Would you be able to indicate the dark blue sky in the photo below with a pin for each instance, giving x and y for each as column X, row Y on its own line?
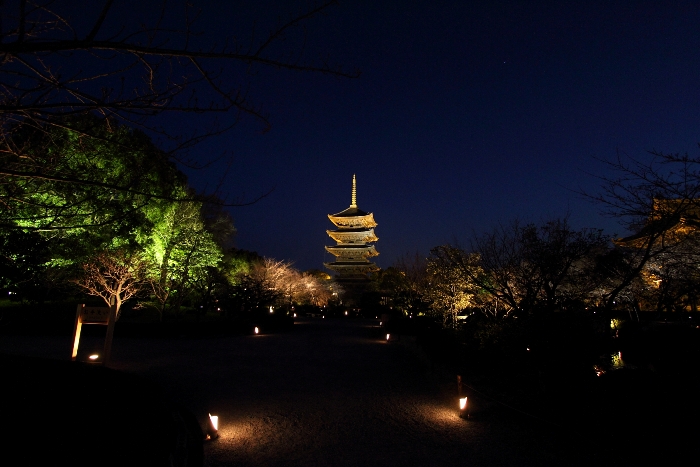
column 466, row 115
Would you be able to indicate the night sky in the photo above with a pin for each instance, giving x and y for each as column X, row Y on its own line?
column 466, row 115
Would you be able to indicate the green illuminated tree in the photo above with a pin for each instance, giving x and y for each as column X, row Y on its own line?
column 125, row 172
column 180, row 249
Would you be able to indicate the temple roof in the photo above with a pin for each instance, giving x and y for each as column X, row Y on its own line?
column 348, row 250
column 353, row 210
column 669, row 221
column 352, row 267
column 350, row 212
column 347, row 235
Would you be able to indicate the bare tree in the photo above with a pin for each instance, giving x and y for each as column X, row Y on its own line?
column 658, row 200
column 528, row 268
column 57, row 65
column 114, row 276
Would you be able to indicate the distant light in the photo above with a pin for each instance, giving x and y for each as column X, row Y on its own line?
column 346, row 313
column 271, row 310
column 214, row 421
column 380, row 323
column 294, row 315
column 256, row 330
column 388, row 336
column 528, row 349
column 324, row 316
column 94, row 357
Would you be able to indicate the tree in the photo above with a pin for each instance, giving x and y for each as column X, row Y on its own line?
column 530, row 268
column 26, row 272
column 538, row 268
column 180, row 249
column 58, row 64
column 409, row 295
column 658, row 200
column 449, row 289
column 314, row 290
column 124, row 170
column 114, row 276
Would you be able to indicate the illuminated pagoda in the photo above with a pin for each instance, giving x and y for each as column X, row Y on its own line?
column 353, row 239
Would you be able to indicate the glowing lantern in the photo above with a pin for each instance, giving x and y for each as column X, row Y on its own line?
column 256, row 330
column 387, row 337
column 463, row 407
column 213, row 428
column 94, row 357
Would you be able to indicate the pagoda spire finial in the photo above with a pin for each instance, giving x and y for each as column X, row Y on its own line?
column 354, row 192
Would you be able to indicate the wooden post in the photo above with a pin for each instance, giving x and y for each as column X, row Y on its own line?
column 105, row 316
column 110, row 334
column 76, row 330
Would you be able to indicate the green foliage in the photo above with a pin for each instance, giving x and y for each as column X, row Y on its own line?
column 86, row 175
column 105, row 187
column 180, row 249
column 25, row 268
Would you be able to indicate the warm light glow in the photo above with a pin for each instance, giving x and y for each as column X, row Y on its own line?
column 346, row 313
column 271, row 310
column 214, row 421
column 94, row 356
column 388, row 336
column 294, row 315
column 257, row 331
column 462, row 403
column 617, row 361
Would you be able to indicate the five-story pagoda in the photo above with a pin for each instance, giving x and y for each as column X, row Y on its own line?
column 354, row 236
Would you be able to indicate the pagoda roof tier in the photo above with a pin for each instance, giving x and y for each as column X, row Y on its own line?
column 352, row 268
column 353, row 217
column 352, row 250
column 353, row 235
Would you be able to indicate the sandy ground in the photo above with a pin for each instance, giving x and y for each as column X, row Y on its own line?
column 328, row 392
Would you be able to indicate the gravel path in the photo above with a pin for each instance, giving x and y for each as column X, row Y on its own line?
column 328, row 393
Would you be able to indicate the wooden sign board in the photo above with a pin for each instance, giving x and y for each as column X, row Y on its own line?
column 94, row 314
column 105, row 316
